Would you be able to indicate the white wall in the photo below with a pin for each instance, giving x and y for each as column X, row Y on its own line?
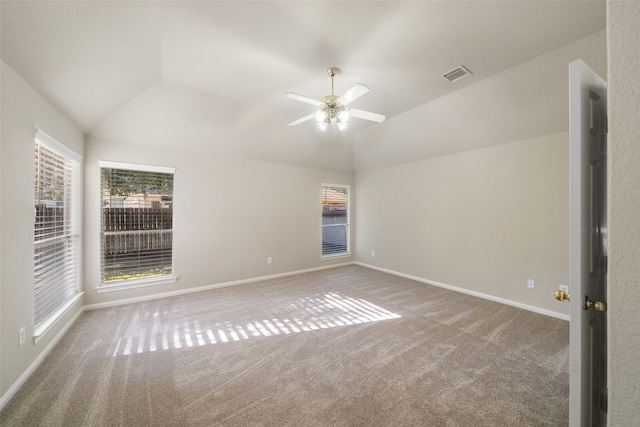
column 484, row 220
column 439, row 200
column 230, row 214
column 527, row 101
column 624, row 212
column 172, row 115
column 23, row 109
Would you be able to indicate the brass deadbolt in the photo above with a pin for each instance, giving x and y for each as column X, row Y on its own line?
column 600, row 306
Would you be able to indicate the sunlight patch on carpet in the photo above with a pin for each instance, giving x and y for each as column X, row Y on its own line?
column 311, row 313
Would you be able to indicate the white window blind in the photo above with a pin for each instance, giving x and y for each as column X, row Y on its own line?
column 56, row 226
column 335, row 220
column 137, row 223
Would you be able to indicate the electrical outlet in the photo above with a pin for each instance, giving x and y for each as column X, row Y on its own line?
column 531, row 283
column 564, row 288
column 373, row 253
column 269, row 260
column 21, row 336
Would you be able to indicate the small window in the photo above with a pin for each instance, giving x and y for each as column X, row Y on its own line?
column 57, row 219
column 335, row 220
column 137, row 225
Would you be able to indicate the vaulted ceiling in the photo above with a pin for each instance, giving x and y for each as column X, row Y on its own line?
column 211, row 76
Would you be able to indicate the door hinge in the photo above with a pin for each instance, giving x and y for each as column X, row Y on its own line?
column 604, row 402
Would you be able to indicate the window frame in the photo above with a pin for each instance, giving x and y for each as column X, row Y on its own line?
column 70, row 252
column 347, row 252
column 141, row 282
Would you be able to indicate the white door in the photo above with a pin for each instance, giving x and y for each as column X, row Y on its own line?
column 588, row 246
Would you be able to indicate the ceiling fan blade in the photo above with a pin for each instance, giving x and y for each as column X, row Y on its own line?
column 304, row 99
column 303, row 119
column 352, row 94
column 374, row 117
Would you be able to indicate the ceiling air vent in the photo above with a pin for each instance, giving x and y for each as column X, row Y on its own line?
column 457, row 74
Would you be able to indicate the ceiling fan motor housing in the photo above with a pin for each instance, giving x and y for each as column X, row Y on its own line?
column 331, row 105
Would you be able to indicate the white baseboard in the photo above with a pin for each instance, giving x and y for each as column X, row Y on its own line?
column 26, row 374
column 208, row 287
column 469, row 292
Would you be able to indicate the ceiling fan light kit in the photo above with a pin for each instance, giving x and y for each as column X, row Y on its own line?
column 333, row 108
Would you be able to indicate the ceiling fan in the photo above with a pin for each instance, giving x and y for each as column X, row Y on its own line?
column 333, row 108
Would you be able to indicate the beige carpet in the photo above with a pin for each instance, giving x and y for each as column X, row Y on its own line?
column 342, row 347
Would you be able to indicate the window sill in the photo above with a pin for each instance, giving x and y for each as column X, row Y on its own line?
column 133, row 284
column 336, row 256
column 43, row 327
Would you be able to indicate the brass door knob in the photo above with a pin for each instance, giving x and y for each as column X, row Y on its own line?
column 600, row 306
column 561, row 296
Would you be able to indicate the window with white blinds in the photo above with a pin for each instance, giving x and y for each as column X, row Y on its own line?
column 335, row 220
column 137, row 225
column 57, row 219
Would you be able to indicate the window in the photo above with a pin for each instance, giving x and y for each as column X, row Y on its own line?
column 57, row 213
column 137, row 225
column 335, row 220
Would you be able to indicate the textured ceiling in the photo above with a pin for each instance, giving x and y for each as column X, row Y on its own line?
column 232, row 61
